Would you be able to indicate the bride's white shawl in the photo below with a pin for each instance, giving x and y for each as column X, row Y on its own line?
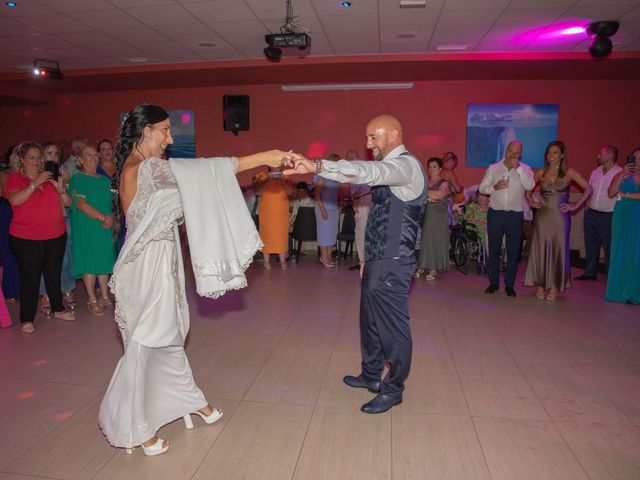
column 222, row 236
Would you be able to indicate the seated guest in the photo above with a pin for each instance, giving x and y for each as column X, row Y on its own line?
column 94, row 251
column 476, row 217
column 37, row 233
column 623, row 280
column 301, row 199
column 434, row 246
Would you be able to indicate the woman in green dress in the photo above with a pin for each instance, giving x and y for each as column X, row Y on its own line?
column 94, row 251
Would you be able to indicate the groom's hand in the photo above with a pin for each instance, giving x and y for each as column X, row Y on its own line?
column 300, row 165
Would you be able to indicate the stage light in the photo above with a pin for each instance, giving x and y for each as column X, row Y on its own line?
column 47, row 69
column 573, row 30
column 11, row 4
column 601, row 45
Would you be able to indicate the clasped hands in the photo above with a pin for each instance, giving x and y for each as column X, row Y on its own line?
column 295, row 163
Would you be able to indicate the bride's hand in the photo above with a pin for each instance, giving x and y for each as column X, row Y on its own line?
column 300, row 164
column 275, row 158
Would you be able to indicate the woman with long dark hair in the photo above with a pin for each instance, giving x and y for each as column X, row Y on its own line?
column 153, row 383
column 548, row 265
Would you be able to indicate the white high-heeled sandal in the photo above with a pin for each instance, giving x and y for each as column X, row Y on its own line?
column 215, row 415
column 152, row 450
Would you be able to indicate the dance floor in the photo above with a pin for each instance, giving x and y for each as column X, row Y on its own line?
column 500, row 388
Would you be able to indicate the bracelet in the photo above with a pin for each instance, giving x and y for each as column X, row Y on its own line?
column 62, row 191
column 102, row 218
column 32, row 186
column 318, row 166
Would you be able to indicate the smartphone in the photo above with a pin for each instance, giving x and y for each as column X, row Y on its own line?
column 276, row 174
column 631, row 159
column 54, row 168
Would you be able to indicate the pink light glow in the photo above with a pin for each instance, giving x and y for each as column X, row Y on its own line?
column 62, row 416
column 186, row 118
column 39, row 363
column 317, row 149
column 573, row 30
column 25, row 395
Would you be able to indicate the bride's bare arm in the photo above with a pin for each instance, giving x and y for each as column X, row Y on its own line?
column 270, row 158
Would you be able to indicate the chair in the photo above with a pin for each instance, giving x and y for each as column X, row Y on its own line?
column 304, row 229
column 347, row 231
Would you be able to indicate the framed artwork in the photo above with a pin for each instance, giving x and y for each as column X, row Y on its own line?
column 490, row 128
column 183, row 131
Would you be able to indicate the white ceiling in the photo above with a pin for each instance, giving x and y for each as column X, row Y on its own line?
column 103, row 33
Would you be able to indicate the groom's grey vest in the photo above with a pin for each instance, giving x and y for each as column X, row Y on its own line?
column 393, row 225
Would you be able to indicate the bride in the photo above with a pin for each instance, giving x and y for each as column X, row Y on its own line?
column 153, row 384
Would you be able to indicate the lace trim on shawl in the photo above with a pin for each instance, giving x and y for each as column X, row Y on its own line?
column 226, row 270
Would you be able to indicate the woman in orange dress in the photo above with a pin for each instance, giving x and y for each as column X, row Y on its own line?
column 273, row 212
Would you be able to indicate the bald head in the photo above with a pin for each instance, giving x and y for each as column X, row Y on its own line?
column 512, row 154
column 384, row 133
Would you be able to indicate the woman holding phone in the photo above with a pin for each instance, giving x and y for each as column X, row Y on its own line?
column 37, row 233
column 623, row 280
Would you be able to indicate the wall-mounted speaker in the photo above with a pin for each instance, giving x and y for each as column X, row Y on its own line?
column 235, row 111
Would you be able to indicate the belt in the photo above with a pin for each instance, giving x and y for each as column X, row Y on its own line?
column 599, row 212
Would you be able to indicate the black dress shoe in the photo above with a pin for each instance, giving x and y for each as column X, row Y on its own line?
column 381, row 403
column 493, row 288
column 359, row 382
column 510, row 291
column 584, row 276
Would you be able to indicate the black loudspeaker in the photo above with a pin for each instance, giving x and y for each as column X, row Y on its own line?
column 235, row 113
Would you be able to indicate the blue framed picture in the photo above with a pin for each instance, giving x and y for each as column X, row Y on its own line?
column 490, row 128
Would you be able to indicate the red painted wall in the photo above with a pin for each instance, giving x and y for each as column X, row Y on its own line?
column 433, row 114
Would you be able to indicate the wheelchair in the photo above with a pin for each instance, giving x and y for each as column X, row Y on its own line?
column 467, row 246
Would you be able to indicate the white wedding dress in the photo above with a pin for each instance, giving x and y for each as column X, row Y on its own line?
column 153, row 383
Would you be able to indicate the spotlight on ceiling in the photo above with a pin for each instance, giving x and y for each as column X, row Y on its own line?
column 601, row 45
column 272, row 53
column 47, row 69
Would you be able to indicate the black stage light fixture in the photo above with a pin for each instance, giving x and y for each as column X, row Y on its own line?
column 601, row 45
column 47, row 69
column 272, row 53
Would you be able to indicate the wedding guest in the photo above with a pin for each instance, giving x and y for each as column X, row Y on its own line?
column 506, row 182
column 70, row 166
column 361, row 195
column 623, row 279
column 434, row 245
column 273, row 212
column 10, row 272
column 107, row 163
column 549, row 263
column 327, row 215
column 94, row 250
column 37, row 232
column 597, row 217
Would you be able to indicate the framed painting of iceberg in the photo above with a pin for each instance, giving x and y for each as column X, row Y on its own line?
column 490, row 128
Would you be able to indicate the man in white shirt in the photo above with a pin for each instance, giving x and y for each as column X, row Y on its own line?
column 597, row 217
column 398, row 196
column 506, row 182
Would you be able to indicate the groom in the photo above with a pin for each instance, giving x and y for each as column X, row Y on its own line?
column 398, row 197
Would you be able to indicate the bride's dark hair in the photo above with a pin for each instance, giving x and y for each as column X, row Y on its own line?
column 128, row 140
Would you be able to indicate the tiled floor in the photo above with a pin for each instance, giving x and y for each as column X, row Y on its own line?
column 500, row 388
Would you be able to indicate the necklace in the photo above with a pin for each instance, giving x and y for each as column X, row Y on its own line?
column 557, row 167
